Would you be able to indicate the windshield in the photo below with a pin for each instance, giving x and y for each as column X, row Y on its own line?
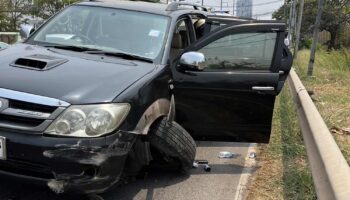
column 105, row 29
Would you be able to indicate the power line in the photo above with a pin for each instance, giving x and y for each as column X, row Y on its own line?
column 261, row 4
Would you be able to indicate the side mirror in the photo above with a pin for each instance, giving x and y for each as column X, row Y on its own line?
column 192, row 61
column 26, row 30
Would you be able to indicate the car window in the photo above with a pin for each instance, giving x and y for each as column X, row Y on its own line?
column 201, row 28
column 182, row 29
column 245, row 51
column 107, row 29
column 180, row 40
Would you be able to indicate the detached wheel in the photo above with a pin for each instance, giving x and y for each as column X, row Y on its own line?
column 173, row 143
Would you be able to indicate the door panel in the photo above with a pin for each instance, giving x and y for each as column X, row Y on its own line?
column 223, row 107
column 232, row 99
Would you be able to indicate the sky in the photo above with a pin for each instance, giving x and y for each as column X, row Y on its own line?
column 258, row 9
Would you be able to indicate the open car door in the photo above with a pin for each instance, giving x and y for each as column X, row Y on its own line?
column 232, row 97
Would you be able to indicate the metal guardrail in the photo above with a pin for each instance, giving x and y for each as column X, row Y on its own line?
column 330, row 171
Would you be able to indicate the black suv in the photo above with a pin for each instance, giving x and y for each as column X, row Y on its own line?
column 92, row 96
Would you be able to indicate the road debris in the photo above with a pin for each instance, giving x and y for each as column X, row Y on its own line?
column 226, row 154
column 340, row 131
column 252, row 155
column 205, row 164
column 207, row 168
column 195, row 164
column 202, row 162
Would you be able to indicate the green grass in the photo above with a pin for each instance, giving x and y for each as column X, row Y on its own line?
column 284, row 172
column 283, row 167
column 297, row 178
column 331, row 85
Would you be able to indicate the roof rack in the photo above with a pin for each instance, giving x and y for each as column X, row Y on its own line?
column 175, row 6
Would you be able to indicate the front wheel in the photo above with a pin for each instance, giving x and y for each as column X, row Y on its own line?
column 173, row 143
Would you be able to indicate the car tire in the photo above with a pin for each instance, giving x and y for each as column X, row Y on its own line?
column 173, row 141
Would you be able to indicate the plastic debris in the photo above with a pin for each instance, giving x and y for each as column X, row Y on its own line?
column 207, row 168
column 252, row 155
column 195, row 164
column 226, row 154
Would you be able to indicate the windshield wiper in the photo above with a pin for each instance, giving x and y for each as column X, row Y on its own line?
column 120, row 54
column 71, row 47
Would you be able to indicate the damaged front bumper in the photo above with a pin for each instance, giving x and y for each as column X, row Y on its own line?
column 67, row 164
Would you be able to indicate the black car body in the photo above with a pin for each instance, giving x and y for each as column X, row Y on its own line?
column 221, row 99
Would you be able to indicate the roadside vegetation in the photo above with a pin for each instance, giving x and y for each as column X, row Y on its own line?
column 283, row 168
column 330, row 86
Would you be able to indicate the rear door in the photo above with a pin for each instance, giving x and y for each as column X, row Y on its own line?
column 233, row 98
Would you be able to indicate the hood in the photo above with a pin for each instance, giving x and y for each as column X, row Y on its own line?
column 81, row 79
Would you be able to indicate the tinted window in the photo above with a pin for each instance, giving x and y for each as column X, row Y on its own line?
column 246, row 51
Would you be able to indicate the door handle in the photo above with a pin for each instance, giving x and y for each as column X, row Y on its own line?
column 261, row 88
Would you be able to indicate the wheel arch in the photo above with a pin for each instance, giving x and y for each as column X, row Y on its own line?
column 158, row 109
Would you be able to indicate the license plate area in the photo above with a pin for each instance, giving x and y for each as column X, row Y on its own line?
column 3, row 155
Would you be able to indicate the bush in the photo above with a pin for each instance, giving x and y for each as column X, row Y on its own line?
column 307, row 43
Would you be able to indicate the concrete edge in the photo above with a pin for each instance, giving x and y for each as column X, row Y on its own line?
column 246, row 174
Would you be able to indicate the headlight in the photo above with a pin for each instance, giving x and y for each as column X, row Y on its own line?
column 89, row 120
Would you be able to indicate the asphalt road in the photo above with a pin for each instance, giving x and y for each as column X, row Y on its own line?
column 219, row 184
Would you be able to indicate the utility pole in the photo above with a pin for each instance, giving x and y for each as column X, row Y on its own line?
column 295, row 19
column 285, row 10
column 292, row 30
column 221, row 5
column 290, row 22
column 297, row 36
column 233, row 7
column 310, row 68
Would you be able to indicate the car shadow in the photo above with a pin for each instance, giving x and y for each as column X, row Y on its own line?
column 148, row 185
column 152, row 180
column 221, row 144
column 160, row 179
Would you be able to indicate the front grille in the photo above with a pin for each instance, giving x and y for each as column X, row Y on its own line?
column 19, row 121
column 26, row 169
column 27, row 112
column 31, row 106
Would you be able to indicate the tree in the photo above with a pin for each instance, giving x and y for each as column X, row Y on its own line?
column 12, row 12
column 283, row 12
column 336, row 15
column 2, row 16
column 46, row 8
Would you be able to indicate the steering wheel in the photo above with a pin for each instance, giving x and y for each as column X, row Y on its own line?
column 85, row 39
